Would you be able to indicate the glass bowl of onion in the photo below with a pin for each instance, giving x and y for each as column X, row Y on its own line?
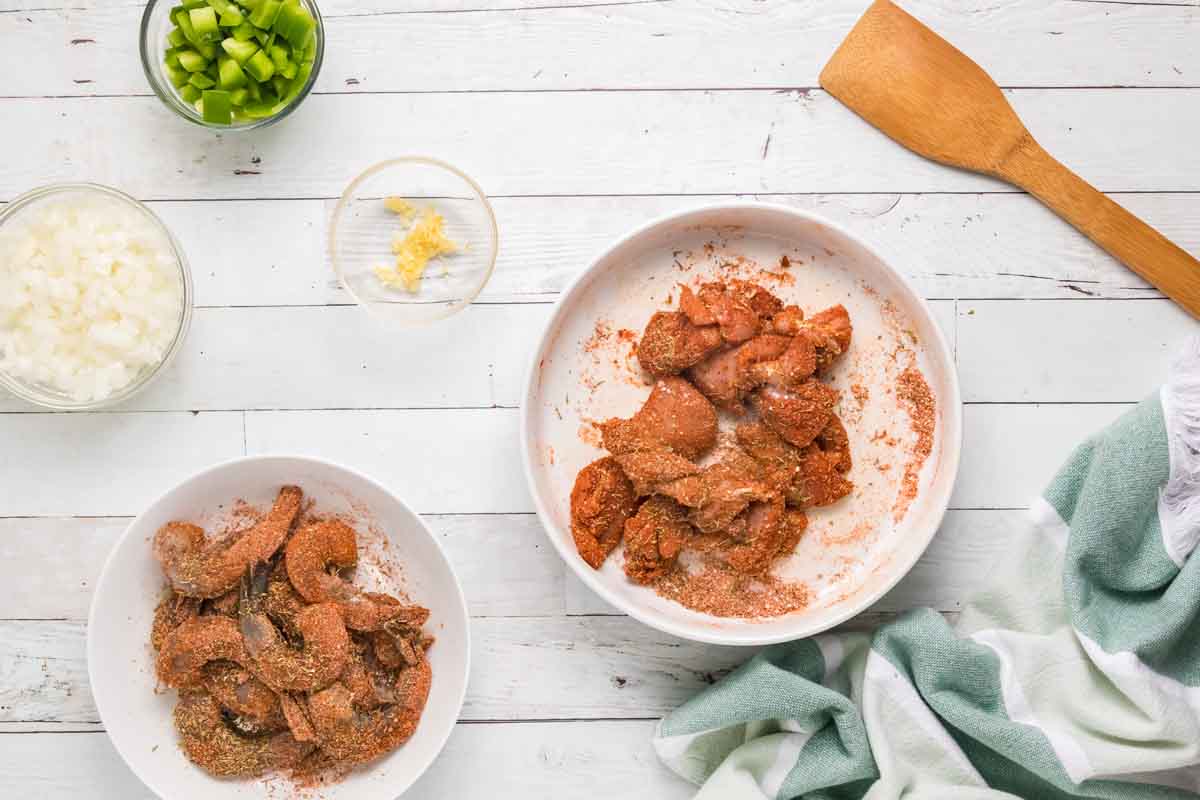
column 95, row 297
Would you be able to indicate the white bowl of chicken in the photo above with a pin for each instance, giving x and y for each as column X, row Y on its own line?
column 274, row 625
column 741, row 425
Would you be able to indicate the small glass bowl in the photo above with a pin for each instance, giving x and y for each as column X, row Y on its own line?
column 152, row 42
column 362, row 229
column 48, row 396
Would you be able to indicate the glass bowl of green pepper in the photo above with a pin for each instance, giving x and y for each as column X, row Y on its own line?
column 232, row 64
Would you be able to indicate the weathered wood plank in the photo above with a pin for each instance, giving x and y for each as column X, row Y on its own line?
column 1063, row 351
column 973, row 246
column 553, row 759
column 1010, row 452
column 107, row 463
column 508, row 45
column 581, row 143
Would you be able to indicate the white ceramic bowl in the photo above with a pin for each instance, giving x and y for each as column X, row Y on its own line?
column 121, row 661
column 854, row 551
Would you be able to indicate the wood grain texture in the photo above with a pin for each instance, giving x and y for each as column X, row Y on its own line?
column 505, row 44
column 587, row 143
column 551, row 759
column 676, row 123
column 977, row 246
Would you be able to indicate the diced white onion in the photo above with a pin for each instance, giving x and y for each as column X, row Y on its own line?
column 90, row 295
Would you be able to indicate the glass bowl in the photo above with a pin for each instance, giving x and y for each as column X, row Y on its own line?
column 362, row 229
column 50, row 397
column 152, row 42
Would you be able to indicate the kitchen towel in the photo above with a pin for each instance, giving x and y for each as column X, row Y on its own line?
column 1075, row 674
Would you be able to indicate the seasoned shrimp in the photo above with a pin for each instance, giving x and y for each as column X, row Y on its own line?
column 209, row 741
column 173, row 611
column 331, row 543
column 198, row 568
column 197, row 642
column 287, row 669
column 244, row 696
column 355, row 737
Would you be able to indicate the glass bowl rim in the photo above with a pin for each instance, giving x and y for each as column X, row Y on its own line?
column 346, row 197
column 30, row 393
column 166, row 93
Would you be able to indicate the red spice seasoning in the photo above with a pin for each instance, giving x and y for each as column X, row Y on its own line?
column 914, row 395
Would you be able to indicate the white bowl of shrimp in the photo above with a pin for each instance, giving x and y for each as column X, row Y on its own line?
column 238, row 696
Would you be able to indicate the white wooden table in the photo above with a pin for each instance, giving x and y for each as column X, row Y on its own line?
column 581, row 118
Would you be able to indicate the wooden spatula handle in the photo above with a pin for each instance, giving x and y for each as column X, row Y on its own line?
column 1139, row 246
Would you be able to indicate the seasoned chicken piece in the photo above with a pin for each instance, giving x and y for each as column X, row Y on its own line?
column 726, row 377
column 788, row 321
column 829, row 331
column 720, row 491
column 795, row 522
column 757, row 535
column 811, row 476
column 820, row 482
column 738, row 307
column 797, row 415
column 794, row 367
column 835, row 441
column 675, row 417
column 647, row 469
column 778, row 460
column 671, row 344
column 653, row 539
column 697, row 313
column 601, row 501
column 836, row 322
column 716, row 377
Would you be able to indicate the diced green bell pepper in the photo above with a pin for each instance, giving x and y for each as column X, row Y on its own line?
column 264, row 16
column 259, row 110
column 192, row 61
column 239, row 97
column 171, row 58
column 207, row 49
column 201, row 81
column 204, row 23
column 178, row 76
column 295, row 24
column 176, row 38
column 220, row 6
column 230, row 75
column 281, row 85
column 239, row 51
column 231, row 18
column 189, row 93
column 190, row 4
column 279, row 57
column 260, row 66
column 217, row 107
column 289, row 70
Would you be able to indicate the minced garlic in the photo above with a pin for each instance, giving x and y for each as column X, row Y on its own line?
column 424, row 240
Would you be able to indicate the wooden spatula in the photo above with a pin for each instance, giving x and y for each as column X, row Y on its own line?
column 921, row 91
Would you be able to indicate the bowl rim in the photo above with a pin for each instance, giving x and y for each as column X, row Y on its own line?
column 862, row 600
column 27, row 392
column 460, row 609
column 345, row 198
column 152, row 69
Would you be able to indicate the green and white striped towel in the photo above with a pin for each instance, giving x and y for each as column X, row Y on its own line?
column 1077, row 674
